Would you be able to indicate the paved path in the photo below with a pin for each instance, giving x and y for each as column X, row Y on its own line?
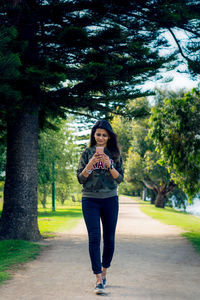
column 152, row 262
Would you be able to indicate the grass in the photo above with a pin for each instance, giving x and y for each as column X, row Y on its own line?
column 17, row 252
column 13, row 253
column 64, row 218
column 170, row 216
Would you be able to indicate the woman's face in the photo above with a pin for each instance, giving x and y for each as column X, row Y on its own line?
column 101, row 137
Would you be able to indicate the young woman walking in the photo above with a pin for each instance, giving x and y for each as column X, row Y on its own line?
column 100, row 170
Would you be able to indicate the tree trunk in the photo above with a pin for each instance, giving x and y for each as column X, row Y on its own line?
column 44, row 199
column 19, row 216
column 144, row 194
column 153, row 196
column 160, row 200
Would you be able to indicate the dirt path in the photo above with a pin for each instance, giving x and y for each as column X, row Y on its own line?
column 152, row 261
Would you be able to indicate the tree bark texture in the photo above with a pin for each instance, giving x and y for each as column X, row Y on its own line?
column 19, row 216
column 153, row 196
column 161, row 190
column 160, row 200
column 144, row 194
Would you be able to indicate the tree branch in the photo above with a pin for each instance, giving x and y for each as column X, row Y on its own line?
column 178, row 45
column 80, row 114
column 137, row 16
column 171, row 187
column 190, row 30
column 163, row 186
column 151, row 185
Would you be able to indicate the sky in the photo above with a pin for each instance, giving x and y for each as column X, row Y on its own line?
column 179, row 81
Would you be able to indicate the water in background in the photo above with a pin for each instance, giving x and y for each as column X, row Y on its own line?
column 193, row 209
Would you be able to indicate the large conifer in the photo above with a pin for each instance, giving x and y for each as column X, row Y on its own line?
column 84, row 54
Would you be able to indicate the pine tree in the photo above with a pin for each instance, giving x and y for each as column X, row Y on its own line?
column 68, row 56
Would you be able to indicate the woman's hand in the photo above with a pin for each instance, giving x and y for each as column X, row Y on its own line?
column 95, row 159
column 106, row 160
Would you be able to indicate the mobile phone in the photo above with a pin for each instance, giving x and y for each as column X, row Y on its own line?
column 100, row 150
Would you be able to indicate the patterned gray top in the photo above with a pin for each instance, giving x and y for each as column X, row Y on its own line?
column 100, row 183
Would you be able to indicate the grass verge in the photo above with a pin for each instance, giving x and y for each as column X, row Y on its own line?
column 17, row 252
column 13, row 253
column 180, row 219
column 64, row 218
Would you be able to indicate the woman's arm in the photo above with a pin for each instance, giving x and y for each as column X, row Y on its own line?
column 117, row 173
column 114, row 173
column 85, row 167
column 119, row 168
column 88, row 168
column 82, row 164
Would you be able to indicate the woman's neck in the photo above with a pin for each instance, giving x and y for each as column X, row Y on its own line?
column 97, row 145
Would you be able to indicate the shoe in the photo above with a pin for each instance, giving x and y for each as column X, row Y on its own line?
column 104, row 282
column 99, row 289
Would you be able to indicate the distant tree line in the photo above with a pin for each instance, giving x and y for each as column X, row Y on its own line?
column 162, row 150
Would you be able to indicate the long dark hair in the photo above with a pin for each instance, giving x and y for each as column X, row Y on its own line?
column 112, row 143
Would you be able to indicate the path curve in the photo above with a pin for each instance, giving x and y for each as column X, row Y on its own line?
column 151, row 262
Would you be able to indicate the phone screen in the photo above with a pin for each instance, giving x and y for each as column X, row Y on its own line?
column 99, row 150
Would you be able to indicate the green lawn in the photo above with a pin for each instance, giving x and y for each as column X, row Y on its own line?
column 64, row 218
column 171, row 216
column 16, row 252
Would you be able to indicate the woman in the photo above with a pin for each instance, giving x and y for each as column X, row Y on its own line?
column 100, row 170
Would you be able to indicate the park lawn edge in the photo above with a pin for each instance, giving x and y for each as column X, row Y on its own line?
column 62, row 219
column 192, row 226
column 16, row 253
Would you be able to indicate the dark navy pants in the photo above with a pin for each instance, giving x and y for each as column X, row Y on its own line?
column 106, row 210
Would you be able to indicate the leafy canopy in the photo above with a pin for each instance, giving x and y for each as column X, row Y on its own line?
column 91, row 55
column 175, row 128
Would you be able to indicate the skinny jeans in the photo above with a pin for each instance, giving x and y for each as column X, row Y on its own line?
column 106, row 211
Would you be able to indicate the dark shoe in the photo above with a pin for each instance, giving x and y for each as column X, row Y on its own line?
column 99, row 289
column 104, row 282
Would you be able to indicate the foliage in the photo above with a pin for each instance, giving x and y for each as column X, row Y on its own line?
column 177, row 199
column 101, row 50
column 9, row 67
column 58, row 147
column 175, row 128
column 142, row 163
column 2, row 161
column 9, row 72
column 142, row 168
column 130, row 188
column 122, row 128
column 138, row 109
column 58, row 42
